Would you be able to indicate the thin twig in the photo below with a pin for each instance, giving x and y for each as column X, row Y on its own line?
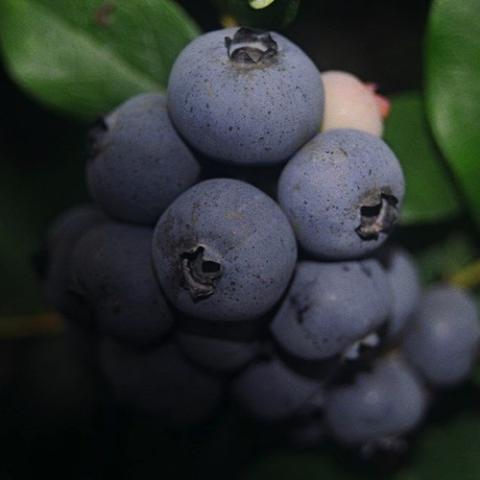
column 30, row 325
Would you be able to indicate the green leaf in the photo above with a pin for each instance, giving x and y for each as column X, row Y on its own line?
column 261, row 13
column 430, row 195
column 453, row 89
column 84, row 58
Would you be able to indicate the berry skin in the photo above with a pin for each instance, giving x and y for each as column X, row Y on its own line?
column 332, row 309
column 342, row 192
column 349, row 103
column 113, row 272
column 62, row 236
column 224, row 251
column 139, row 164
column 160, row 382
column 222, row 355
column 405, row 286
column 443, row 338
column 379, row 405
column 246, row 97
column 270, row 391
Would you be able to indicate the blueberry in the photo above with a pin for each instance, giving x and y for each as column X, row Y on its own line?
column 443, row 339
column 112, row 271
column 342, row 192
column 245, row 96
column 380, row 405
column 405, row 285
column 160, row 382
column 270, row 391
column 138, row 162
column 333, row 308
column 224, row 251
column 217, row 353
column 55, row 259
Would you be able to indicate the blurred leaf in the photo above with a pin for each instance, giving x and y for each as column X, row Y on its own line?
column 268, row 15
column 448, row 451
column 430, row 194
column 30, row 196
column 476, row 372
column 446, row 257
column 468, row 277
column 453, row 89
column 19, row 290
column 299, row 466
column 442, row 452
column 84, row 58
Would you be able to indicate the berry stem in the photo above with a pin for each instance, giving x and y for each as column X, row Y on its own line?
column 228, row 21
column 200, row 275
column 468, row 277
column 30, row 325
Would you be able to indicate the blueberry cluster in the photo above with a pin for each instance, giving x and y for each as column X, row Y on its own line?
column 204, row 289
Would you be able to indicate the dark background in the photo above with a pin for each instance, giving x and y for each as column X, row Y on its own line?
column 55, row 417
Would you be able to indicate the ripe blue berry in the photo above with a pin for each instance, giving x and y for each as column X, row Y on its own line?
column 332, row 308
column 139, row 164
column 270, row 391
column 224, row 251
column 112, row 271
column 443, row 338
column 342, row 192
column 160, row 382
column 382, row 404
column 245, row 96
column 217, row 354
column 61, row 239
column 405, row 286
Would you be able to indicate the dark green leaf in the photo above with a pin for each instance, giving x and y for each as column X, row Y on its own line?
column 30, row 196
column 430, row 195
column 453, row 89
column 442, row 452
column 446, row 257
column 447, row 451
column 19, row 292
column 299, row 466
column 476, row 372
column 84, row 58
column 276, row 15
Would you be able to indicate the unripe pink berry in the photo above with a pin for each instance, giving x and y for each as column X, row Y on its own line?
column 349, row 103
